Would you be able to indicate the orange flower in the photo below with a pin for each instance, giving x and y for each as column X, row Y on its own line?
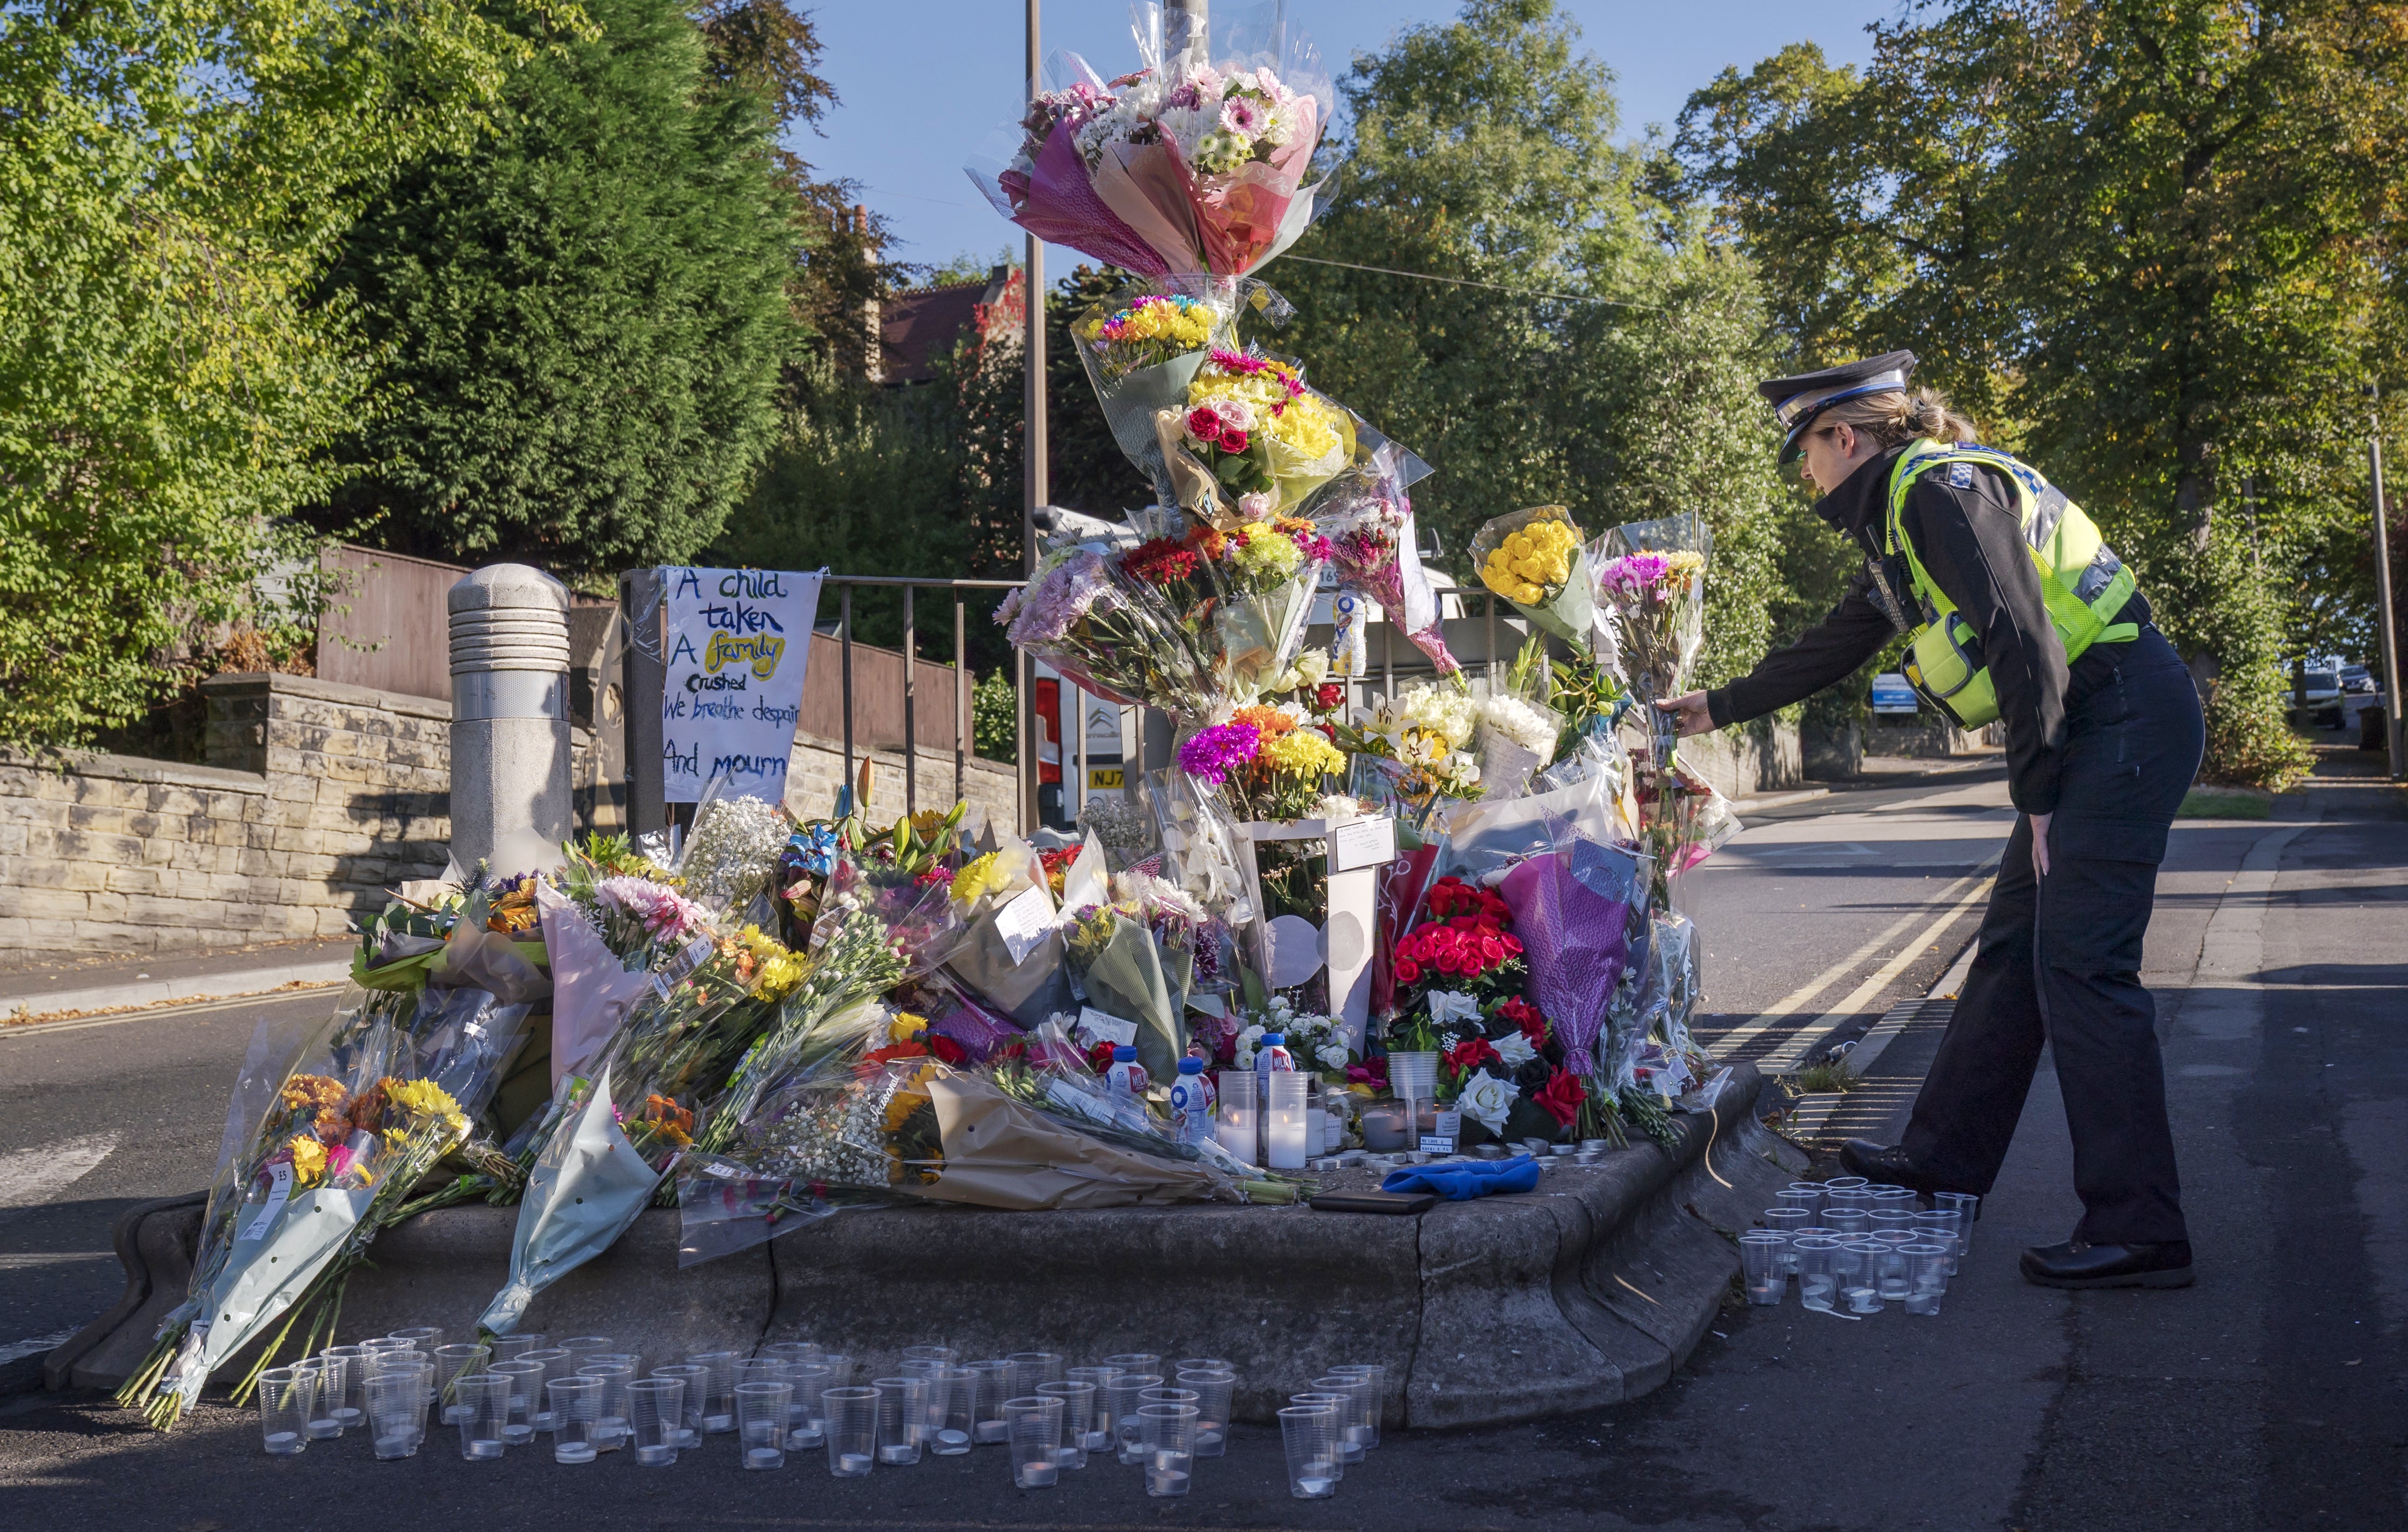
column 1270, row 723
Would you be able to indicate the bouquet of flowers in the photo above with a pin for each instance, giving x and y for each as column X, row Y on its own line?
column 1317, row 1042
column 1240, row 596
column 1518, row 729
column 1576, row 906
column 1409, row 752
column 358, row 1111
column 1143, row 349
column 728, row 863
column 1184, row 165
column 1267, row 762
column 1534, row 559
column 601, row 1148
column 1368, row 519
column 1103, row 631
column 1011, row 953
column 1656, row 592
column 1251, row 439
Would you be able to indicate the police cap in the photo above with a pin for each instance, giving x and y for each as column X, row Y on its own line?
column 1796, row 401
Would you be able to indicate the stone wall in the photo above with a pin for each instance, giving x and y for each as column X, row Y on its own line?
column 316, row 798
column 816, row 769
column 1762, row 756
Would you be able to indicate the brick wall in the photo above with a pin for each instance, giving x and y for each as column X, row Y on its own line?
column 318, row 797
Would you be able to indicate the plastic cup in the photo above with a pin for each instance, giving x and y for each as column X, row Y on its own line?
column 381, row 1344
column 1213, row 1386
column 1077, row 1412
column 1891, row 1270
column 632, row 1361
column 286, row 1398
column 1200, row 1364
column 1817, row 1284
column 756, row 1369
column 610, row 1419
column 1844, row 1184
column 695, row 1381
column 423, row 1338
column 1788, row 1223
column 1097, row 1426
column 482, row 1402
column 396, row 1408
column 1968, row 1209
column 452, row 1362
column 1927, row 1278
column 511, row 1348
column 1342, row 1406
column 761, row 1408
column 796, row 1351
column 325, row 1395
column 805, row 1416
column 1355, row 1424
column 1121, row 1397
column 952, row 1390
column 718, row 1390
column 526, row 1394
column 554, row 1362
column 1033, row 1429
column 342, row 1385
column 942, row 1355
column 1858, row 1265
column 1761, row 1252
column 990, row 1385
column 902, row 1419
column 1135, row 1362
column 851, row 1432
column 1891, row 1220
column 1804, row 1196
column 1375, row 1398
column 574, row 1405
column 1310, row 1433
column 1848, row 1220
column 1168, row 1433
column 1030, row 1369
column 656, row 1420
column 839, row 1366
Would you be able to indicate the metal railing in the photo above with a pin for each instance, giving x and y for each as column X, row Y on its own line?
column 964, row 722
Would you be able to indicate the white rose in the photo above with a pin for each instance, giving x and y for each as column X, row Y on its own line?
column 1254, row 507
column 1515, row 1050
column 1235, row 413
column 1486, row 1099
column 1446, row 1006
column 1333, row 1055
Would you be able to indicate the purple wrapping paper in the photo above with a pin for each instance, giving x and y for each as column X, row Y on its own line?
column 1577, row 943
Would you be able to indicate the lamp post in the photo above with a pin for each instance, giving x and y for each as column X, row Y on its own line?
column 2395, row 728
column 1036, row 487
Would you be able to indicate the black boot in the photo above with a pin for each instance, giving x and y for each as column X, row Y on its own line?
column 1889, row 1165
column 2074, row 1264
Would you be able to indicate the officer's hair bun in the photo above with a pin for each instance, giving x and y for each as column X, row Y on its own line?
column 1895, row 418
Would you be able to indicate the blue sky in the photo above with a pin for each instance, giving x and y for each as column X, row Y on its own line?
column 924, row 83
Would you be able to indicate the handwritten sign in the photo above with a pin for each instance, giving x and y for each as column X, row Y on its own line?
column 736, row 643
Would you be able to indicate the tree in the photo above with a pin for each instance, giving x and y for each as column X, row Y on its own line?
column 586, row 315
column 2155, row 245
column 1584, row 343
column 172, row 175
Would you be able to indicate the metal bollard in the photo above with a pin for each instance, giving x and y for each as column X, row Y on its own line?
column 512, row 801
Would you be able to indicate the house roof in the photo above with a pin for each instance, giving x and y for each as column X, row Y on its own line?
column 918, row 326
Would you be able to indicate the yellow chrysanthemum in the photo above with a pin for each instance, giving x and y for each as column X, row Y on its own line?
column 1302, row 753
column 309, row 1159
column 977, row 879
column 423, row 1098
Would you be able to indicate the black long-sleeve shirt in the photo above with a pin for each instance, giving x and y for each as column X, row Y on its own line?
column 1967, row 531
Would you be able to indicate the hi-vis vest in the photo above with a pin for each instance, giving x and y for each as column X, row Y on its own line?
column 2081, row 578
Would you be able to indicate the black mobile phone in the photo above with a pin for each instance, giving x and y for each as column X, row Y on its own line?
column 1375, row 1202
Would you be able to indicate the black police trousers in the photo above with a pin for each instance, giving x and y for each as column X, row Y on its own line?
column 2058, row 958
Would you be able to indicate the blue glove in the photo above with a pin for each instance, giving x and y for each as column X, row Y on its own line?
column 1461, row 1183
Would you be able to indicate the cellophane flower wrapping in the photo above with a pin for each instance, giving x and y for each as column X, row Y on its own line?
column 1240, row 597
column 1368, row 517
column 362, row 1107
column 1412, row 755
column 1192, row 163
column 1534, row 559
column 728, row 862
column 1651, row 578
column 1029, row 986
column 1573, row 908
column 1107, row 633
column 603, row 1145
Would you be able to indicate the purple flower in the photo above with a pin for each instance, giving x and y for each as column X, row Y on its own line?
column 663, row 911
column 1634, row 572
column 1043, row 612
column 1211, row 754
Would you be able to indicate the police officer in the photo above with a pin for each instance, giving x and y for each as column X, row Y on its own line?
column 2016, row 611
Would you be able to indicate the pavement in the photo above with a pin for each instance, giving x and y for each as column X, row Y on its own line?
column 2275, row 1393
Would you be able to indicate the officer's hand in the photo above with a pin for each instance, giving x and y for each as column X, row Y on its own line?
column 2040, row 844
column 1690, row 709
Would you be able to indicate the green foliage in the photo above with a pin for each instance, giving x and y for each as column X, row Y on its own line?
column 585, row 315
column 2151, row 245
column 995, row 717
column 1484, row 149
column 171, row 175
